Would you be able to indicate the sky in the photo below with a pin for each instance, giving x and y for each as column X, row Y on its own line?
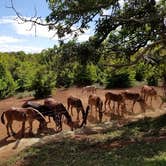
column 18, row 37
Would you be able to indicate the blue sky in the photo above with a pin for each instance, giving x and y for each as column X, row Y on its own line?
column 19, row 37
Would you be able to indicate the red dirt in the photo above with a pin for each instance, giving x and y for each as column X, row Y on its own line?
column 61, row 95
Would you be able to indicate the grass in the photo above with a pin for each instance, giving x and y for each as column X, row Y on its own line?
column 98, row 149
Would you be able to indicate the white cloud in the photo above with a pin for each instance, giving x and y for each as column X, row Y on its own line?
column 9, row 39
column 27, row 29
column 15, row 48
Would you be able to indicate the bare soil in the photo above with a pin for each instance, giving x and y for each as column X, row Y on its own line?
column 61, row 95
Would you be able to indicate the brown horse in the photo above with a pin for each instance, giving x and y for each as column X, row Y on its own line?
column 23, row 115
column 148, row 92
column 115, row 98
column 96, row 101
column 76, row 103
column 58, row 110
column 135, row 97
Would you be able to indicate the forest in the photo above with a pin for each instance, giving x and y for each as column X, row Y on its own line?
column 74, row 64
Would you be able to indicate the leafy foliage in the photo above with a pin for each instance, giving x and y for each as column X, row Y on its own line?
column 7, row 84
column 119, row 80
column 44, row 83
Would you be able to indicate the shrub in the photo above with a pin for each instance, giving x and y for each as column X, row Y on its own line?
column 44, row 84
column 65, row 78
column 119, row 80
column 152, row 80
column 7, row 84
column 82, row 76
column 140, row 72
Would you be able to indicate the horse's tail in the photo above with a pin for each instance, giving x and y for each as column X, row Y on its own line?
column 37, row 112
column 2, row 118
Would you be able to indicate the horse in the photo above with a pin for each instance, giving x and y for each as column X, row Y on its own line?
column 23, row 115
column 89, row 89
column 77, row 103
column 41, row 108
column 110, row 96
column 135, row 97
column 148, row 91
column 58, row 109
column 96, row 101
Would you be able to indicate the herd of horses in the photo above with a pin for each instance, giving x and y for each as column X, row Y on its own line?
column 51, row 108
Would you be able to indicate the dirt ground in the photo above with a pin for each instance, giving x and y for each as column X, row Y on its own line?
column 61, row 95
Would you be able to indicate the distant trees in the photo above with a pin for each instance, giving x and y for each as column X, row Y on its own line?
column 7, row 84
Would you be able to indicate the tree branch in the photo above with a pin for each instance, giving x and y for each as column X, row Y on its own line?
column 138, row 58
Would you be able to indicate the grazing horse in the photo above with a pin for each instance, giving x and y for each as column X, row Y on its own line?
column 110, row 96
column 148, row 91
column 58, row 110
column 23, row 115
column 96, row 101
column 89, row 89
column 135, row 97
column 41, row 108
column 77, row 103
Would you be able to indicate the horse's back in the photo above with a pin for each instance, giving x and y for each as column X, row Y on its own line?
column 18, row 114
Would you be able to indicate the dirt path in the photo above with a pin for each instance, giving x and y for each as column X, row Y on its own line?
column 12, row 145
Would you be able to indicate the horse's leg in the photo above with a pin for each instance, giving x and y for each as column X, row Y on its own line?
column 91, row 108
column 105, row 104
column 118, row 112
column 7, row 127
column 49, row 119
column 12, row 131
column 151, row 100
column 109, row 104
column 96, row 112
column 30, row 127
column 71, row 110
column 78, row 111
column 113, row 108
column 133, row 106
column 23, row 129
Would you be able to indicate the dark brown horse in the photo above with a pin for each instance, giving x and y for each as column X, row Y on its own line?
column 76, row 103
column 59, row 110
column 41, row 108
column 23, row 115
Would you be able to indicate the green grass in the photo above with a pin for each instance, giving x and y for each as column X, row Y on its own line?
column 97, row 150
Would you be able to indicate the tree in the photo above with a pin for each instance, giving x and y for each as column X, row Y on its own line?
column 7, row 84
column 128, row 26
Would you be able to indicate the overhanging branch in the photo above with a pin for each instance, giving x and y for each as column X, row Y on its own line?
column 138, row 58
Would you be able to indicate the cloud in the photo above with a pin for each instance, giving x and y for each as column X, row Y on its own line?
column 9, row 39
column 15, row 48
column 27, row 29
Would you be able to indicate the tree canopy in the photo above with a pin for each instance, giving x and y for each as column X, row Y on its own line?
column 126, row 26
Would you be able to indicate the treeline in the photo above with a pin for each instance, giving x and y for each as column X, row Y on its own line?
column 70, row 64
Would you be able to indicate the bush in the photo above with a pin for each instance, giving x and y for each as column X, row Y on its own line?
column 65, row 78
column 7, row 84
column 83, row 77
column 140, row 72
column 44, row 84
column 121, row 80
column 139, row 76
column 152, row 80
